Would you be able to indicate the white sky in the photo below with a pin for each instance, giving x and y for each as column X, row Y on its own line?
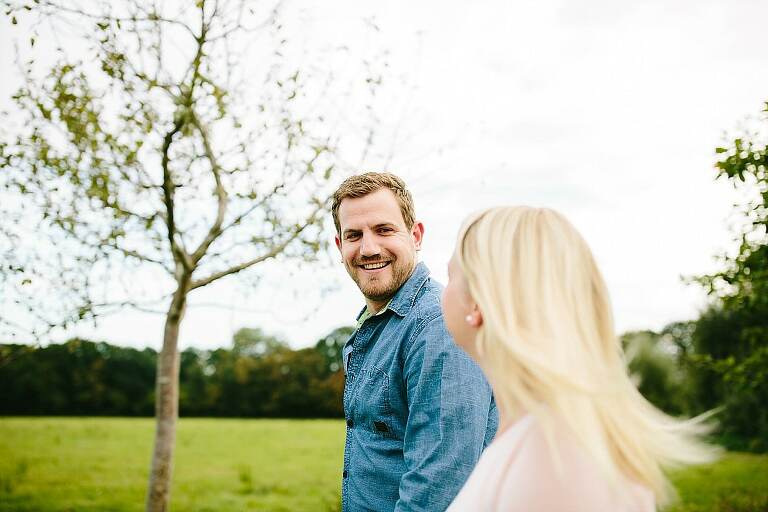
column 607, row 111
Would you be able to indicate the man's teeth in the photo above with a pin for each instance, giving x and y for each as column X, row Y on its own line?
column 374, row 266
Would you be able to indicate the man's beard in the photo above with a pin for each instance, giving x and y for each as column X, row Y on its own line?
column 378, row 291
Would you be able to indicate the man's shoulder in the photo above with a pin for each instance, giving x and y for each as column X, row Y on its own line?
column 425, row 318
column 426, row 304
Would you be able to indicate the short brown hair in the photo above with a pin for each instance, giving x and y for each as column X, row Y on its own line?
column 361, row 185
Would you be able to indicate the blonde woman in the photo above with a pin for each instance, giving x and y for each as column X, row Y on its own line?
column 526, row 300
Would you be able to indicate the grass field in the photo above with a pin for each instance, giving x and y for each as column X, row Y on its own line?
column 87, row 464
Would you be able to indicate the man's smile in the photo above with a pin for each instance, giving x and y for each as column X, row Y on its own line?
column 370, row 267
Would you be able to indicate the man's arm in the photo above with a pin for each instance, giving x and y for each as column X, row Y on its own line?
column 448, row 408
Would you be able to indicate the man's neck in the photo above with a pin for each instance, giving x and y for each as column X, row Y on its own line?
column 375, row 307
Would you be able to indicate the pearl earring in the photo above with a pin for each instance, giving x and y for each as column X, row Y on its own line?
column 468, row 318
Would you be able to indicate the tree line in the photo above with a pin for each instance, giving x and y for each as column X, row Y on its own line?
column 685, row 369
column 259, row 376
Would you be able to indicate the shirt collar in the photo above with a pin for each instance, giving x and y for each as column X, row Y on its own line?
column 405, row 297
column 366, row 313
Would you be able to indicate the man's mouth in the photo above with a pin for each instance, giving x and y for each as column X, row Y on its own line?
column 374, row 266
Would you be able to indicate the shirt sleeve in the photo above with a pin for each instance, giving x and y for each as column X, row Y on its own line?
column 450, row 410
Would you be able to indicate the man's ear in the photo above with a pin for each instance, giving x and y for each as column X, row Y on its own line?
column 417, row 232
column 338, row 242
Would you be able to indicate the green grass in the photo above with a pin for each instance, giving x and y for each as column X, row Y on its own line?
column 736, row 483
column 87, row 464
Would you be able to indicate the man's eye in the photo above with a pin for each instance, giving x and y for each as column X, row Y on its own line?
column 352, row 236
column 385, row 230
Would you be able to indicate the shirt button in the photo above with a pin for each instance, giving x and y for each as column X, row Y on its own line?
column 345, row 473
column 350, row 424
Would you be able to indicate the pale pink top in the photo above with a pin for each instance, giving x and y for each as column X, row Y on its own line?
column 517, row 473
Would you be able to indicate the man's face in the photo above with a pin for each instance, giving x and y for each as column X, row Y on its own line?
column 378, row 250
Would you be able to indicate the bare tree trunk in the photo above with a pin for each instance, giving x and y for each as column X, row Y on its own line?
column 167, row 405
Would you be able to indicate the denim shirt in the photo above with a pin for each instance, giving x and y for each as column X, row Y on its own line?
column 419, row 411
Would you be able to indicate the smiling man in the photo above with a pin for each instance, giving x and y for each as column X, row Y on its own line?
column 418, row 410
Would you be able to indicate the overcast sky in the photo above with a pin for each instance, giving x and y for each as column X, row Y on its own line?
column 607, row 111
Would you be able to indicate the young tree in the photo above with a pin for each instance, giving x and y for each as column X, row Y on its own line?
column 152, row 154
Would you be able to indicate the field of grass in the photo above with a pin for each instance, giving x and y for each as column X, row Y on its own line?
column 88, row 464
column 737, row 483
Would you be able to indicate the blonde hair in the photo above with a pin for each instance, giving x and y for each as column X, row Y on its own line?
column 361, row 185
column 548, row 347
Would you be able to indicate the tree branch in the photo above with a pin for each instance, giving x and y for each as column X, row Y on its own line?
column 154, row 18
column 239, row 26
column 221, row 193
column 134, row 254
column 129, row 304
column 271, row 254
column 237, row 220
column 179, row 253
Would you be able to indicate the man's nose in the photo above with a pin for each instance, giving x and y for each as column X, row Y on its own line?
column 369, row 246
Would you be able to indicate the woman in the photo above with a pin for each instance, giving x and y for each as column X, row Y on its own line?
column 526, row 301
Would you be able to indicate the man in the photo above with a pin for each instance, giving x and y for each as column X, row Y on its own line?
column 418, row 410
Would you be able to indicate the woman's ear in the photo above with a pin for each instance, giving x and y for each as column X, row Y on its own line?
column 475, row 318
column 479, row 316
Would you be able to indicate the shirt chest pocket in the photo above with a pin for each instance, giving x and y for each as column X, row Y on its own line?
column 373, row 410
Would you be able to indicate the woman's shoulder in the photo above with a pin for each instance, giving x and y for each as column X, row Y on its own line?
column 527, row 468
column 548, row 470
